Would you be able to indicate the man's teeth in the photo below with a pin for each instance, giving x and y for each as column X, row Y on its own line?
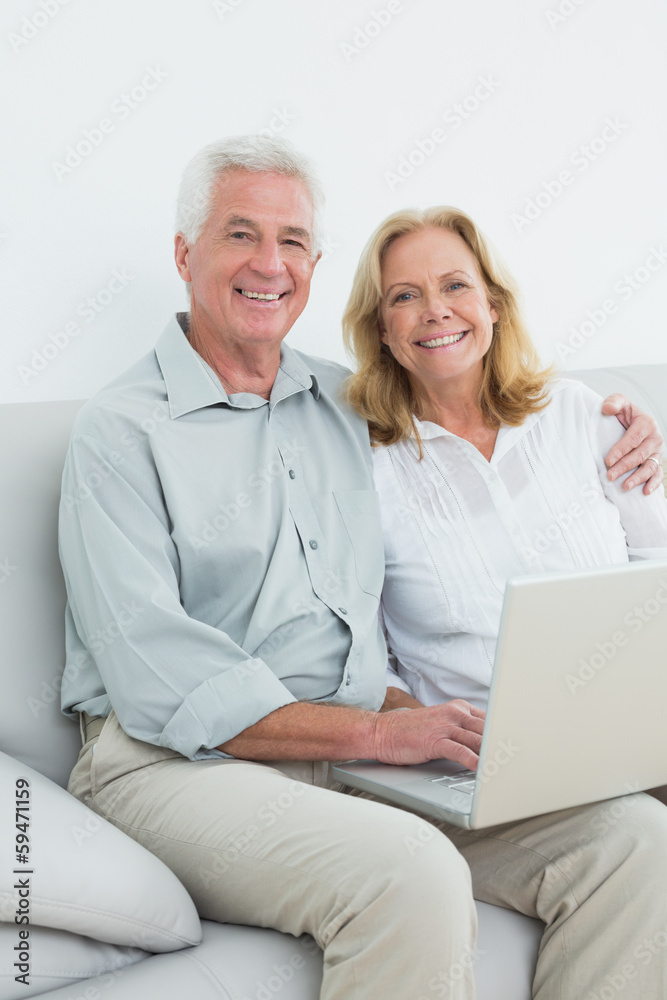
column 267, row 296
column 442, row 341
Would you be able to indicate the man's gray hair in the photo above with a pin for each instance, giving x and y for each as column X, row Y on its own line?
column 256, row 153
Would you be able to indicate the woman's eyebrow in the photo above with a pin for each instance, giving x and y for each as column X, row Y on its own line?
column 447, row 274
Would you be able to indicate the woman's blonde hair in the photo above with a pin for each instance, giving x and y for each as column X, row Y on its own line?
column 513, row 383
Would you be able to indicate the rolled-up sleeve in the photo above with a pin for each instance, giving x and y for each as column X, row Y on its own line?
column 173, row 680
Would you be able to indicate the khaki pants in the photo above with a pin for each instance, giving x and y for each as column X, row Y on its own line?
column 383, row 892
column 270, row 846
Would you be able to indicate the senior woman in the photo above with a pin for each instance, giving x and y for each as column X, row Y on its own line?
column 478, row 453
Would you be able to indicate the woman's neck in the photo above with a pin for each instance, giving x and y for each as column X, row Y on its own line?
column 455, row 407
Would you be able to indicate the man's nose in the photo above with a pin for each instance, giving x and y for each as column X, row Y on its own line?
column 266, row 259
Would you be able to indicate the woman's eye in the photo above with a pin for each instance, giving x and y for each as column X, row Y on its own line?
column 455, row 285
column 403, row 297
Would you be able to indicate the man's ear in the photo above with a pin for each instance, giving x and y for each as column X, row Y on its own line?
column 181, row 251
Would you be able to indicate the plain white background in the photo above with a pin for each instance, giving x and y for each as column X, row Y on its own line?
column 518, row 93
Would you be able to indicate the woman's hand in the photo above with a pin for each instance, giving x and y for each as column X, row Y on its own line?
column 397, row 698
column 640, row 448
column 452, row 730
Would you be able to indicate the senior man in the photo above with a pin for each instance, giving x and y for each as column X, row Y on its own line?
column 223, row 576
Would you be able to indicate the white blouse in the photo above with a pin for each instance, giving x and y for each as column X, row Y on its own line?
column 457, row 527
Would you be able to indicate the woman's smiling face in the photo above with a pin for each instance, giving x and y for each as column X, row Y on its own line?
column 436, row 317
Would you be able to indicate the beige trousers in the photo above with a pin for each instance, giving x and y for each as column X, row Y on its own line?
column 271, row 846
column 385, row 895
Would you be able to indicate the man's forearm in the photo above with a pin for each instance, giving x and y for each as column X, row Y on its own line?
column 302, row 731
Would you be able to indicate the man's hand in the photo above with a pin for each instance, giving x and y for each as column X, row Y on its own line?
column 640, row 448
column 452, row 730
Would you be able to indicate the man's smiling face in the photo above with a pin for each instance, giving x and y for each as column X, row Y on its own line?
column 251, row 267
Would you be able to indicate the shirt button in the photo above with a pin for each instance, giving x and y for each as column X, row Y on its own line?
column 343, row 611
column 312, row 543
column 292, row 474
column 348, row 679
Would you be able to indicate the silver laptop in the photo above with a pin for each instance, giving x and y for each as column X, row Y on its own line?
column 577, row 708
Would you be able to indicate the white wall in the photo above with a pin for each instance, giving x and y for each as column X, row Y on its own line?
column 360, row 102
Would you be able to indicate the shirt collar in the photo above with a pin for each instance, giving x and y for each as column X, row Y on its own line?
column 427, row 429
column 192, row 385
column 507, row 436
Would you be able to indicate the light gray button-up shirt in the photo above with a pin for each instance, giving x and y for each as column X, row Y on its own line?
column 222, row 554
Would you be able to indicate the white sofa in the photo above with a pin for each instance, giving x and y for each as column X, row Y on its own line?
column 107, row 920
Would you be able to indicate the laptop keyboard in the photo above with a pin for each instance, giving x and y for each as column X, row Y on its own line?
column 463, row 782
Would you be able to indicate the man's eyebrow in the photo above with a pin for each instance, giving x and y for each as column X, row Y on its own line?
column 240, row 220
column 295, row 231
column 447, row 274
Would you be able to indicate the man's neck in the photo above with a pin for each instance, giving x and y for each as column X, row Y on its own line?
column 240, row 369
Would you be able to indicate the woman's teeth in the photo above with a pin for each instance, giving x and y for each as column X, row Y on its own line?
column 442, row 341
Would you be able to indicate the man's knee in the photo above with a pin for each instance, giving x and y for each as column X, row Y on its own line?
column 411, row 853
column 637, row 817
column 433, row 865
column 639, row 822
column 629, row 833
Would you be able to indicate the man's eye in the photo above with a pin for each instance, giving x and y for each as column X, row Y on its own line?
column 238, row 236
column 295, row 243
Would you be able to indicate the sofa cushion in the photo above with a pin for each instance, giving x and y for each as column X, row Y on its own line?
column 82, row 874
column 249, row 963
column 53, row 959
column 232, row 963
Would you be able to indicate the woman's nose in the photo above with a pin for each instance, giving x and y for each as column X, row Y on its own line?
column 437, row 308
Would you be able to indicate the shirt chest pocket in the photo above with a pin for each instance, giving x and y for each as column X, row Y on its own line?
column 360, row 513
